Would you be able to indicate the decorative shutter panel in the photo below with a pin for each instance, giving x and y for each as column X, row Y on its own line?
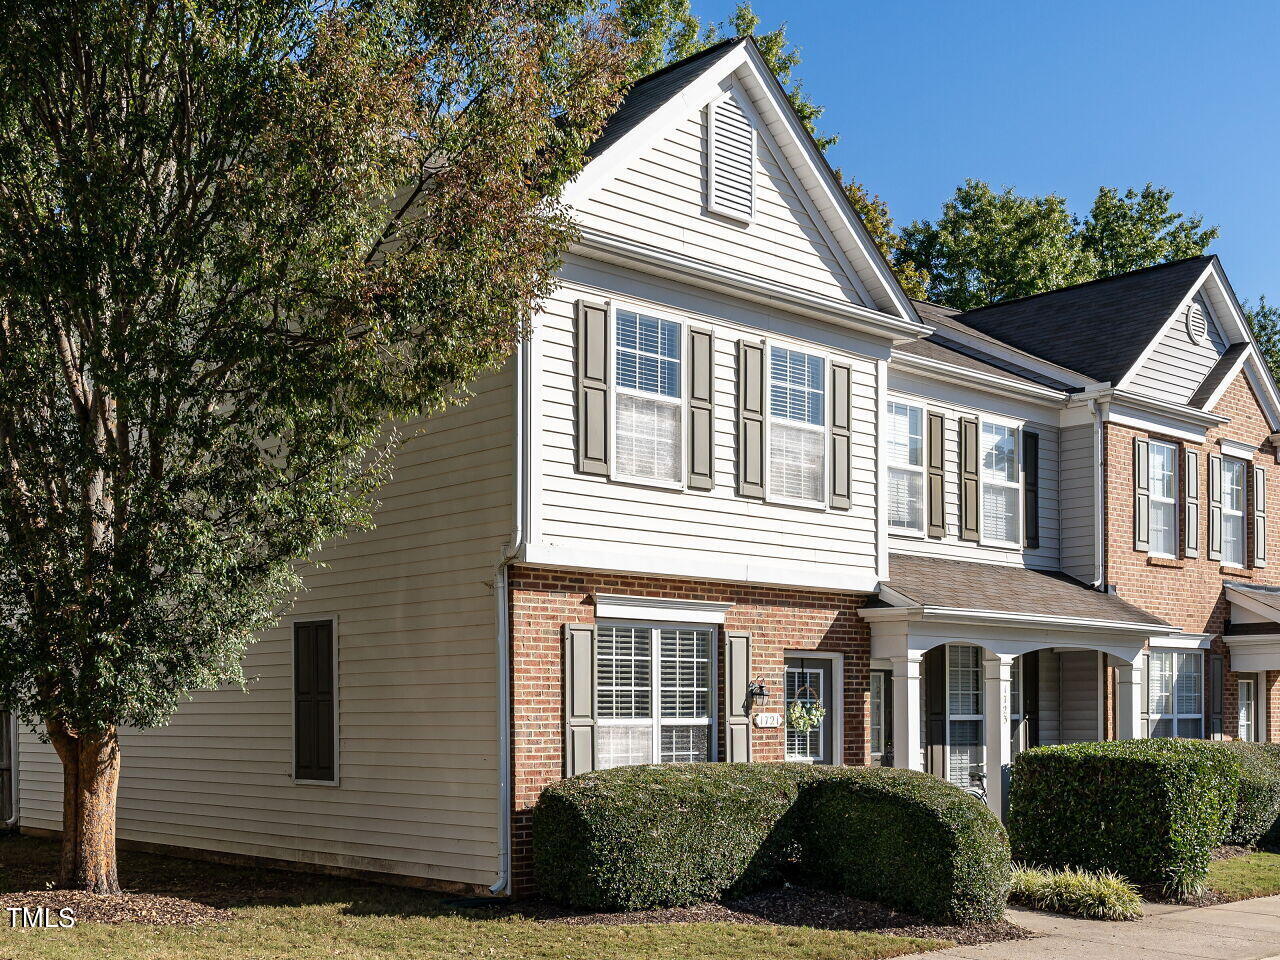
column 1258, row 490
column 6, row 768
column 1215, row 507
column 1191, row 504
column 935, row 444
column 1031, row 488
column 751, row 401
column 1031, row 696
column 841, row 437
column 737, row 681
column 969, row 498
column 1217, row 687
column 935, row 707
column 701, row 411
column 593, row 388
column 1146, row 694
column 579, row 698
column 1141, row 494
column 731, row 150
column 314, row 740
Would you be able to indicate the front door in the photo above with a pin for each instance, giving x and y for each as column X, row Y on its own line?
column 809, row 685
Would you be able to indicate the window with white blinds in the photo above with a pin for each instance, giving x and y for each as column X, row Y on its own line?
column 649, row 399
column 877, row 712
column 1001, row 484
column 638, row 667
column 1162, row 462
column 905, row 454
column 1175, row 693
column 805, row 686
column 964, row 714
column 1247, row 709
column 797, row 425
column 731, row 147
column 1233, row 503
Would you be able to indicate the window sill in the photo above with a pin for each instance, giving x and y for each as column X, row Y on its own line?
column 650, row 483
column 906, row 532
column 1173, row 563
column 816, row 506
column 1230, row 570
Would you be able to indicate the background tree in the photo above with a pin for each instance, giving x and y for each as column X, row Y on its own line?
column 1137, row 229
column 1264, row 319
column 236, row 239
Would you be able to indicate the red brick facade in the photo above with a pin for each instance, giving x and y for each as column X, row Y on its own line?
column 780, row 621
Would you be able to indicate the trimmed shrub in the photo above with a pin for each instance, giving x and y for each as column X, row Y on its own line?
column 1151, row 810
column 657, row 836
column 1094, row 895
column 1257, row 815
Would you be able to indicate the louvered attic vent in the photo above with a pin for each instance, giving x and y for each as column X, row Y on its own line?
column 731, row 148
column 1197, row 323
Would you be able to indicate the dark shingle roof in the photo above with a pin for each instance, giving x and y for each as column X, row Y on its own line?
column 934, row 582
column 1215, row 376
column 1099, row 328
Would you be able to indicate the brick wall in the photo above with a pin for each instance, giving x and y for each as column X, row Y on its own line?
column 1188, row 592
column 780, row 621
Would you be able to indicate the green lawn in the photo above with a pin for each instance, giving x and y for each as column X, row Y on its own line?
column 1253, row 875
column 278, row 915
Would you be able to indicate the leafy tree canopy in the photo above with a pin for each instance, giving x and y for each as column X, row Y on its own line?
column 1264, row 319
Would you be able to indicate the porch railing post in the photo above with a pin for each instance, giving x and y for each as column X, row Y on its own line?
column 998, row 682
column 1128, row 699
column 907, row 752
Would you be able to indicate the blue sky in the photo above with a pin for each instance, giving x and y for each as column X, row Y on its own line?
column 1058, row 97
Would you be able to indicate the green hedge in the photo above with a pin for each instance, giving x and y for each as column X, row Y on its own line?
column 655, row 836
column 1151, row 810
column 1257, row 816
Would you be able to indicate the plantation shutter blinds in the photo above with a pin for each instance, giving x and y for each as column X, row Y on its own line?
column 841, row 437
column 579, row 698
column 751, row 413
column 731, row 148
column 1217, row 685
column 936, row 467
column 701, row 411
column 1191, row 504
column 1215, row 507
column 593, row 388
column 737, row 683
column 969, row 500
column 1258, row 541
column 1141, row 494
column 1031, row 488
column 314, row 741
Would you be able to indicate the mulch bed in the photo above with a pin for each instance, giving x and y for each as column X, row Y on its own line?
column 788, row 906
column 126, row 908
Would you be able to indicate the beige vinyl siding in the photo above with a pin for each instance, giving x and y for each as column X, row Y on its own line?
column 1050, row 714
column 1079, row 697
column 417, row 690
column 1078, row 492
column 660, row 199
column 1176, row 367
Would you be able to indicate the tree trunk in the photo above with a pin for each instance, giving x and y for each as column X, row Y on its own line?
column 90, row 780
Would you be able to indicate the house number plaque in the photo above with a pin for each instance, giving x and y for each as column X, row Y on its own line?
column 769, row 720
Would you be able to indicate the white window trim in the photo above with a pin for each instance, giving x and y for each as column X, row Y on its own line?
column 837, row 698
column 824, row 504
column 1019, row 487
column 1242, row 513
column 923, row 470
column 1241, row 683
column 332, row 618
column 712, row 159
column 1152, row 717
column 655, row 718
column 660, row 610
column 1152, row 499
column 615, row 391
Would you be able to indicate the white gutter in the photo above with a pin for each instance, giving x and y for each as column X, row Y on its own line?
column 1099, row 492
column 993, row 383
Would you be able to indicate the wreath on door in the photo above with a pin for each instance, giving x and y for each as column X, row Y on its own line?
column 805, row 714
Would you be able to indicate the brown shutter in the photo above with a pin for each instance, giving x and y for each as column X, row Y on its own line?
column 737, row 682
column 7, row 799
column 1191, row 504
column 1217, row 687
column 579, row 698
column 1258, row 539
column 1031, row 488
column 701, row 410
column 314, row 738
column 936, row 448
column 841, row 437
column 1141, row 494
column 1215, row 507
column 751, row 401
column 969, row 491
column 935, row 710
column 593, row 388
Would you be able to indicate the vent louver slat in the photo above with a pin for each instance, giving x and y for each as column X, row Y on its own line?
column 731, row 174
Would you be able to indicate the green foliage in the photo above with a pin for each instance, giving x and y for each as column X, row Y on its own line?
column 639, row 837
column 1257, row 816
column 1094, row 895
column 1264, row 320
column 1151, row 810
column 1137, row 229
column 875, row 216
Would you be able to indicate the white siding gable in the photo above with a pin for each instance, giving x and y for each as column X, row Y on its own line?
column 1179, row 364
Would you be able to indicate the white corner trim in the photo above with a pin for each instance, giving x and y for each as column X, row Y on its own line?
column 613, row 606
column 1233, row 448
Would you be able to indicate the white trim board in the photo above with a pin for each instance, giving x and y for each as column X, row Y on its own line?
column 611, row 606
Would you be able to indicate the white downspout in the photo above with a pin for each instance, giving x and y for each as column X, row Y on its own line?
column 1098, row 494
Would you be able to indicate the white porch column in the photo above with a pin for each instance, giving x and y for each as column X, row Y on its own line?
column 1128, row 699
column 906, row 712
column 998, row 689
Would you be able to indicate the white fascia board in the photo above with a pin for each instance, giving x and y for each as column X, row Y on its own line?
column 1127, row 380
column 1185, row 641
column 1260, row 377
column 1226, row 381
column 990, row 383
column 1148, row 414
column 1004, row 619
column 1253, row 654
column 1253, row 603
column 611, row 606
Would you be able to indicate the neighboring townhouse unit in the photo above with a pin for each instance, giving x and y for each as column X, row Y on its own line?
column 734, row 468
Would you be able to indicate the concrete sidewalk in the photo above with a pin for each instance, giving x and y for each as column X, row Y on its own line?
column 1248, row 930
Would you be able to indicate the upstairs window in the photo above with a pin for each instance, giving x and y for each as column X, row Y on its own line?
column 905, row 435
column 1175, row 694
column 1001, row 490
column 1233, row 504
column 1162, row 462
column 648, row 403
column 797, row 426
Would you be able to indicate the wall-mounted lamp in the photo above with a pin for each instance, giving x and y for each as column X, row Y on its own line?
column 757, row 691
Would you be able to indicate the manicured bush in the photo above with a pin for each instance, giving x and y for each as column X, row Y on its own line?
column 656, row 836
column 1094, row 895
column 1257, row 815
column 1151, row 810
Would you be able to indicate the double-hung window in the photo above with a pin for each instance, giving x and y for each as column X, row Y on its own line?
column 964, row 714
column 1175, row 693
column 1001, row 486
column 1247, row 705
column 1162, row 463
column 905, row 454
column 879, row 680
column 649, row 399
column 653, row 695
column 1233, row 504
column 797, row 426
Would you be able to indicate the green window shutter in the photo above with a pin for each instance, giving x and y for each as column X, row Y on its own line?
column 1258, row 539
column 935, row 444
column 737, row 683
column 970, row 500
column 841, row 437
column 1031, row 488
column 593, row 388
column 1217, row 687
column 935, row 710
column 702, row 466
column 1215, row 507
column 314, row 737
column 1191, row 504
column 579, row 698
column 1141, row 494
column 751, row 411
